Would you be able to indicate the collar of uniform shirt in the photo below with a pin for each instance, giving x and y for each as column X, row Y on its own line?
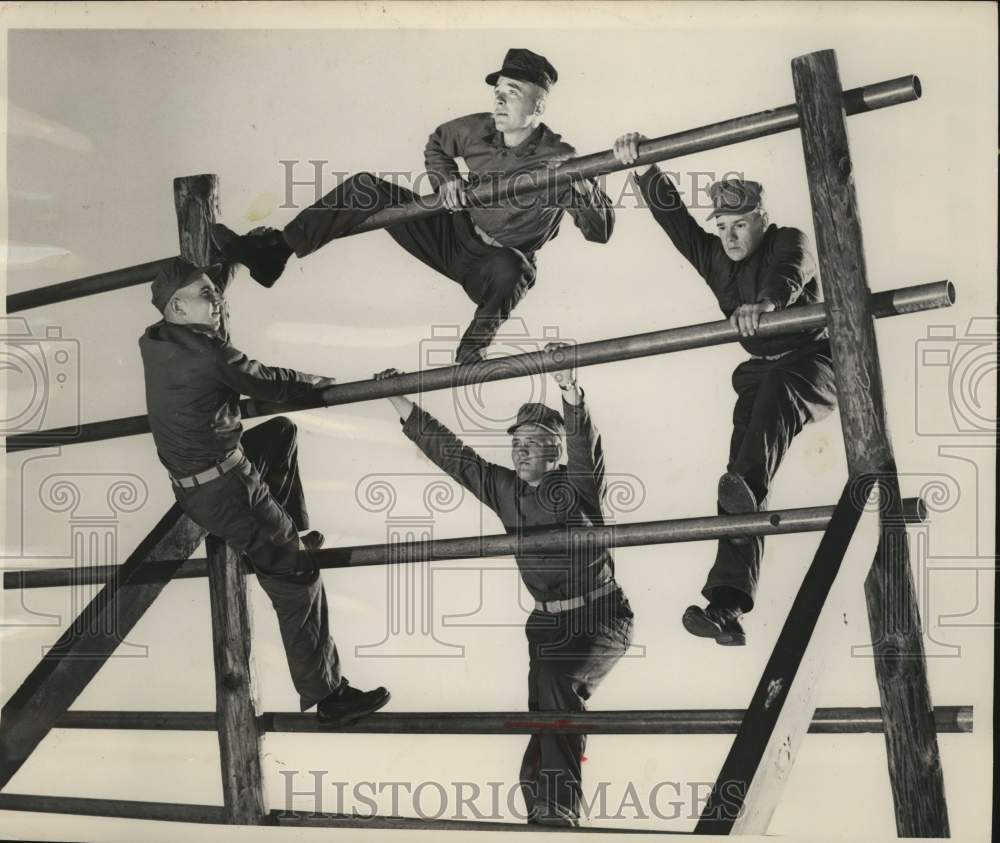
column 525, row 147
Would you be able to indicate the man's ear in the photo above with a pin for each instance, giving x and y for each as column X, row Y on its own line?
column 540, row 105
column 557, row 449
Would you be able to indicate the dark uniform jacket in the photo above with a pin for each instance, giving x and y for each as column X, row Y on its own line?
column 194, row 380
column 571, row 495
column 529, row 222
column 781, row 269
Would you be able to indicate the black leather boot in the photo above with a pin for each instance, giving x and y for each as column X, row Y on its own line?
column 263, row 251
column 347, row 705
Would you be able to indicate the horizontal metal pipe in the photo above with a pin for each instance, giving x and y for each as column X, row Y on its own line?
column 166, row 721
column 711, row 721
column 369, row 822
column 725, row 133
column 550, row 541
column 127, row 808
column 116, row 279
column 897, row 302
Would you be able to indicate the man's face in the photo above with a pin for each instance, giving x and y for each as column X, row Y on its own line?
column 534, row 450
column 199, row 302
column 741, row 233
column 514, row 104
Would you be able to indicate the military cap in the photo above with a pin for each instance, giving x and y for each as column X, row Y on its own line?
column 526, row 66
column 178, row 273
column 541, row 415
column 735, row 196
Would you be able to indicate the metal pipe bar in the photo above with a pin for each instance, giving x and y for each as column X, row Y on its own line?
column 319, row 819
column 725, row 133
column 711, row 721
column 706, row 528
column 896, row 302
column 116, row 279
column 127, row 808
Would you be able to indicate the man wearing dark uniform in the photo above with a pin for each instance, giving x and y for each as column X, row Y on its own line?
column 752, row 268
column 582, row 622
column 489, row 250
column 243, row 487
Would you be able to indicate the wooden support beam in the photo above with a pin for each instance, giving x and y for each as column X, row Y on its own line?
column 760, row 760
column 236, row 715
column 82, row 650
column 196, row 199
column 893, row 615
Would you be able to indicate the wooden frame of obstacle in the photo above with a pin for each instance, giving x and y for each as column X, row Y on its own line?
column 782, row 709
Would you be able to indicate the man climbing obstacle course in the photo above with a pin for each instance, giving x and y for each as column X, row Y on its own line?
column 243, row 487
column 489, row 250
column 752, row 268
column 582, row 622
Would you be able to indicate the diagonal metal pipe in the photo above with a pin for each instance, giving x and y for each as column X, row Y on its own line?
column 761, row 124
column 725, row 133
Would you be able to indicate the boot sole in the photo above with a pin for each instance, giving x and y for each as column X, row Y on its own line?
column 700, row 626
column 731, row 639
column 353, row 717
column 697, row 624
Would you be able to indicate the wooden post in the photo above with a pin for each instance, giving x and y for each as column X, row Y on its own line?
column 84, row 648
column 196, row 199
column 893, row 615
column 239, row 737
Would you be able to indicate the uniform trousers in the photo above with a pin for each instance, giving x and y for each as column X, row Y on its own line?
column 258, row 508
column 775, row 400
column 494, row 277
column 569, row 654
